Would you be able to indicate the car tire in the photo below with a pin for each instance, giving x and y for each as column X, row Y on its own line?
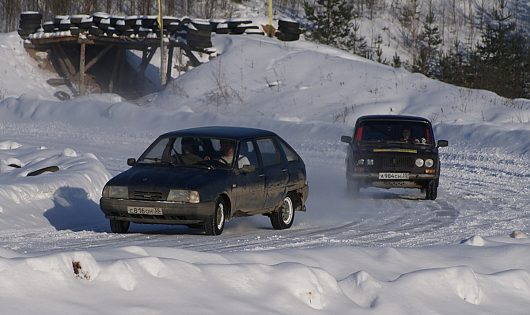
column 215, row 224
column 283, row 217
column 431, row 191
column 119, row 226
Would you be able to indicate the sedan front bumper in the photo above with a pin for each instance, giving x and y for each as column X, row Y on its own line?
column 413, row 181
column 172, row 212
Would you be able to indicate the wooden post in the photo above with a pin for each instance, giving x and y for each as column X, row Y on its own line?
column 115, row 70
column 169, row 63
column 82, row 88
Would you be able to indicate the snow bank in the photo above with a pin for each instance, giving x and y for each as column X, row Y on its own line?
column 160, row 280
column 66, row 198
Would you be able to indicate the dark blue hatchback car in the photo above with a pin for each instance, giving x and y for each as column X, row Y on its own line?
column 202, row 177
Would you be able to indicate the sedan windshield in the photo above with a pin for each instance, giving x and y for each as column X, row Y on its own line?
column 190, row 151
column 405, row 132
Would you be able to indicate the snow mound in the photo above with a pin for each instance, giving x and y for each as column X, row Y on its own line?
column 361, row 288
column 461, row 281
column 66, row 198
column 518, row 234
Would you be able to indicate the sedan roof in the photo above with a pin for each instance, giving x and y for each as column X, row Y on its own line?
column 221, row 132
column 393, row 117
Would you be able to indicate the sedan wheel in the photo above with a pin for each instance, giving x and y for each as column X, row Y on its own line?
column 283, row 218
column 215, row 224
column 432, row 190
column 118, row 226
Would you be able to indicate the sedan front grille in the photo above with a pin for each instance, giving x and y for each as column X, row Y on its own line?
column 395, row 163
column 147, row 195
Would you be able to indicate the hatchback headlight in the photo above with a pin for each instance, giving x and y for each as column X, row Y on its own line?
column 179, row 195
column 429, row 163
column 118, row 192
column 419, row 162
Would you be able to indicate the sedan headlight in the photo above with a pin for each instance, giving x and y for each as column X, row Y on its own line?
column 419, row 162
column 429, row 163
column 118, row 192
column 179, row 195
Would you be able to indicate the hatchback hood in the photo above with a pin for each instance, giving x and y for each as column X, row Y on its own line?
column 164, row 177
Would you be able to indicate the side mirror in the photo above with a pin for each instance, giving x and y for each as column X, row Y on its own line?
column 346, row 139
column 247, row 169
column 131, row 161
column 443, row 143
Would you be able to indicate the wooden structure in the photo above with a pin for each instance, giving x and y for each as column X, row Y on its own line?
column 74, row 69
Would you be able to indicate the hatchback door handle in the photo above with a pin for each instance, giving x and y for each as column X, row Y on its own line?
column 261, row 175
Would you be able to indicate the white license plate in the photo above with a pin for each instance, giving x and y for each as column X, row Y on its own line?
column 393, row 175
column 144, row 210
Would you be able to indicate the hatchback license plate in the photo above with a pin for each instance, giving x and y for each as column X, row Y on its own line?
column 393, row 175
column 144, row 210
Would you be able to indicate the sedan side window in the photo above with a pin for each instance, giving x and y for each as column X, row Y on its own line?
column 269, row 152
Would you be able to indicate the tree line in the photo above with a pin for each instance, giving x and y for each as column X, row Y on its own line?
column 498, row 60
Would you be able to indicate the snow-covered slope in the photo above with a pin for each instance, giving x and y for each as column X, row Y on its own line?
column 385, row 253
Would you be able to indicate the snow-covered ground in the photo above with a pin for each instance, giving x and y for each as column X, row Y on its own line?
column 387, row 252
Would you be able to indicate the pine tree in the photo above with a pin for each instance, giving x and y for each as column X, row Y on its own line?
column 428, row 46
column 498, row 51
column 330, row 20
column 357, row 42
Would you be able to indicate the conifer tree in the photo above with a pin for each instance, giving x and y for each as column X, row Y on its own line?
column 429, row 42
column 331, row 21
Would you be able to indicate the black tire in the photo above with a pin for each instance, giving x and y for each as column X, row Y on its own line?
column 288, row 24
column 63, row 96
column 118, row 226
column 287, row 37
column 431, row 191
column 353, row 187
column 283, row 217
column 50, row 169
column 215, row 224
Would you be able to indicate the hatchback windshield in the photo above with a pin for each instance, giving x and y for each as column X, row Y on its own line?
column 394, row 131
column 190, row 151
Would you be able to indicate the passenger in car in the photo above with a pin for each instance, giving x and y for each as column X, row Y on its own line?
column 228, row 150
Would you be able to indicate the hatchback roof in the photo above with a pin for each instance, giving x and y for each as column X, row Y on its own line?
column 221, row 132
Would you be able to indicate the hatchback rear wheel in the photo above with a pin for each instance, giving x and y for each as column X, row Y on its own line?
column 283, row 217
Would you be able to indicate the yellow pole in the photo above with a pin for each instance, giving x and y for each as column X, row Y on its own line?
column 270, row 12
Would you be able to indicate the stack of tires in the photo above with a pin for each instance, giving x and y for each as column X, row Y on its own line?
column 234, row 26
column 199, row 34
column 29, row 23
column 288, row 30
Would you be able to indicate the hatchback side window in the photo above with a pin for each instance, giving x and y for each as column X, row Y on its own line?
column 269, row 152
column 247, row 154
column 289, row 153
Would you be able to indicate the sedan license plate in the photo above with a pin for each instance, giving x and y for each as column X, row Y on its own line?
column 144, row 210
column 393, row 175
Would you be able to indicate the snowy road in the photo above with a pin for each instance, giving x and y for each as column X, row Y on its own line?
column 482, row 192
